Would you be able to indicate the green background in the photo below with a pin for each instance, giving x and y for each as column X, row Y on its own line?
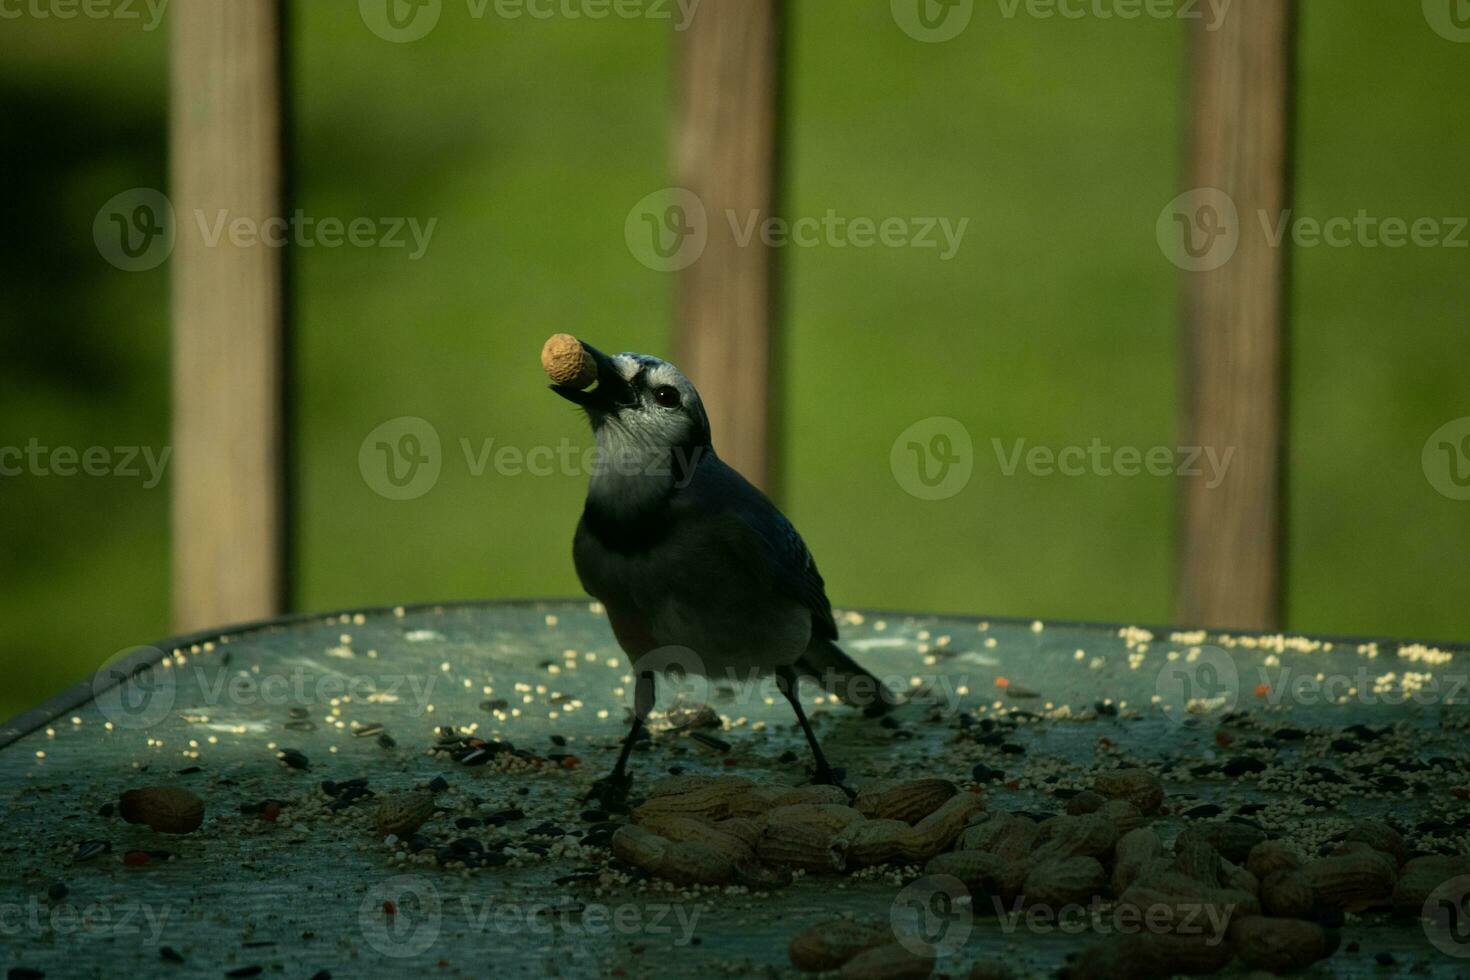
column 530, row 140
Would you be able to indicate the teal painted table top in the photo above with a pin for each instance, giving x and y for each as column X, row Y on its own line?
column 294, row 732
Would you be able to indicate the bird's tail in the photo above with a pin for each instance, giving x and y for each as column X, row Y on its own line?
column 839, row 674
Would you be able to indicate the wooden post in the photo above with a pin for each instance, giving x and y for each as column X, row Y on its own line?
column 1234, row 373
column 229, row 310
column 728, row 66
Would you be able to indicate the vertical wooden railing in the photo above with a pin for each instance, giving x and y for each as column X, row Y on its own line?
column 1234, row 374
column 229, row 313
column 725, row 145
column 230, row 518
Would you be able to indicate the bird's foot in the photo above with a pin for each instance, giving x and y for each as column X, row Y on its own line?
column 611, row 792
column 828, row 776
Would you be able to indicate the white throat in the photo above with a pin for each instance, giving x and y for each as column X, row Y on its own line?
column 631, row 472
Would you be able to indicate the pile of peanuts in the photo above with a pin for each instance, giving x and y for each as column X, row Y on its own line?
column 717, row 831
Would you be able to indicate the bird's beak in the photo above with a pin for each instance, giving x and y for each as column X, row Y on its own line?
column 609, row 393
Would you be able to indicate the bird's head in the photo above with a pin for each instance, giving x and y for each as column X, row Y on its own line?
column 640, row 404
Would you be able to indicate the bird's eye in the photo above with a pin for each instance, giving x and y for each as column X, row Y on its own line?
column 667, row 396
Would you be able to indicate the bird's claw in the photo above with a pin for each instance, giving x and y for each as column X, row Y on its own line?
column 611, row 792
column 826, row 776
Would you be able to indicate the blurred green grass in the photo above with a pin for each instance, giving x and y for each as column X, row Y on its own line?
column 529, row 140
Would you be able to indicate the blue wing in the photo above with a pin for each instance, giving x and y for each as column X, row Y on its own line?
column 768, row 536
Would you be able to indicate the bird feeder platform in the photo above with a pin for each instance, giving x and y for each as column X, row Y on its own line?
column 297, row 734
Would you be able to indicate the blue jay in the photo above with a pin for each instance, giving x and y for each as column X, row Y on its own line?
column 687, row 556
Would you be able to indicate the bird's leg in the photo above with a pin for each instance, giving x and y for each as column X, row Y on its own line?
column 612, row 790
column 825, row 774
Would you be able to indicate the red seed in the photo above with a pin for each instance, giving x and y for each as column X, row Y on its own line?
column 136, row 859
column 389, row 908
column 271, row 811
column 1262, row 690
column 1224, row 739
column 1002, row 682
column 570, row 762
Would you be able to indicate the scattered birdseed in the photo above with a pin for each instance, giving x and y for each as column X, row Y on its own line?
column 293, row 758
column 88, row 850
column 709, row 741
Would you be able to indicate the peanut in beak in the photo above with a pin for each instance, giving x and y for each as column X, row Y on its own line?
column 567, row 362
